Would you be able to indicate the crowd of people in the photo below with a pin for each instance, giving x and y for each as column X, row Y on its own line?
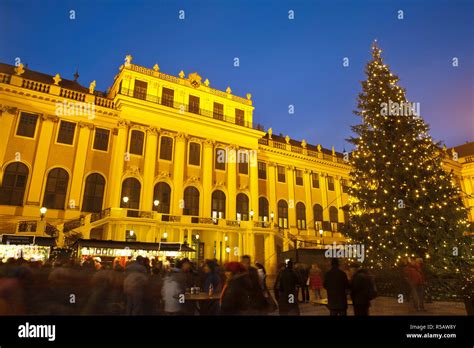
column 149, row 287
column 140, row 287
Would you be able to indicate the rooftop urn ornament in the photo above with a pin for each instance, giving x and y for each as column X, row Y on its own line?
column 92, row 87
column 76, row 75
column 333, row 151
column 128, row 59
column 207, row 83
column 287, row 139
column 270, row 132
column 195, row 79
column 303, row 144
column 249, row 96
column 228, row 90
column 57, row 79
column 20, row 69
column 181, row 74
column 156, row 67
column 319, row 147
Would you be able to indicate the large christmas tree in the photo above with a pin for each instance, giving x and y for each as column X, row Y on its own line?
column 403, row 203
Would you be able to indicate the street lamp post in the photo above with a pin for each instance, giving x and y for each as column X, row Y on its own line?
column 197, row 248
column 43, row 211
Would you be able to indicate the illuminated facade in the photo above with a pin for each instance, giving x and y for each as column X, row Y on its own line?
column 160, row 157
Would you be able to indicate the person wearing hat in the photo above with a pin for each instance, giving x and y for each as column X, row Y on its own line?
column 235, row 296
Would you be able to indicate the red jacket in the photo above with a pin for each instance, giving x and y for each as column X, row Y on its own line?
column 414, row 275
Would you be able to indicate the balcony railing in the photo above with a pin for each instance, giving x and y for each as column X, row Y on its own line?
column 70, row 225
column 140, row 214
column 27, row 226
column 99, row 216
column 181, row 107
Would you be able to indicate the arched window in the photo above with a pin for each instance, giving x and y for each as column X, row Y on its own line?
column 218, row 204
column 263, row 209
column 346, row 216
column 162, row 196
column 56, row 189
column 93, row 193
column 333, row 218
column 300, row 216
column 13, row 187
column 318, row 217
column 131, row 189
column 282, row 214
column 242, row 207
column 191, row 201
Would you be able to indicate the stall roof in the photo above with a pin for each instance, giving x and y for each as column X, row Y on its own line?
column 113, row 244
column 16, row 239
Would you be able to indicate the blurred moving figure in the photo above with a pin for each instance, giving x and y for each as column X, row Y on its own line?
column 235, row 297
column 316, row 281
column 336, row 284
column 134, row 287
column 287, row 283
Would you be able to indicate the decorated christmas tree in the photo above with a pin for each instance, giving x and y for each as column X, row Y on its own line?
column 403, row 203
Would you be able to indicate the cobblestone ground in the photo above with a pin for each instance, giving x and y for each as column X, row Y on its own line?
column 390, row 306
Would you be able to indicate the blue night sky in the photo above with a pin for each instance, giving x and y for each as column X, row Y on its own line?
column 282, row 62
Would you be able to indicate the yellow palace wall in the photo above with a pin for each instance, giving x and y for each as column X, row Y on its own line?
column 122, row 111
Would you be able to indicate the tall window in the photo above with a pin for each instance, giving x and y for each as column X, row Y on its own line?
column 220, row 159
column 13, row 187
column 333, row 218
column 162, row 196
column 318, row 217
column 93, row 193
column 131, row 188
column 347, row 216
column 137, row 139
column 242, row 207
column 300, row 216
column 66, row 132
column 345, row 185
column 282, row 214
column 166, row 148
column 330, row 183
column 315, row 179
column 194, row 154
column 281, row 174
column 262, row 170
column 194, row 104
column 101, row 139
column 243, row 167
column 140, row 89
column 191, row 201
column 27, row 125
column 218, row 112
column 239, row 117
column 56, row 189
column 263, row 214
column 299, row 177
column 167, row 97
column 218, row 204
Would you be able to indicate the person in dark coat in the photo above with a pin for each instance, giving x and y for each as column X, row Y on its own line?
column 336, row 284
column 235, row 296
column 362, row 290
column 258, row 302
column 287, row 283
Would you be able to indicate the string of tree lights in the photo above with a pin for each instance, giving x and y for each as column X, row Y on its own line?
column 403, row 203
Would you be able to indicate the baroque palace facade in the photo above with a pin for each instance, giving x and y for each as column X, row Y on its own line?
column 165, row 158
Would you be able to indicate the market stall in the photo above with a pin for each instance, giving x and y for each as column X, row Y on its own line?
column 109, row 250
column 31, row 248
